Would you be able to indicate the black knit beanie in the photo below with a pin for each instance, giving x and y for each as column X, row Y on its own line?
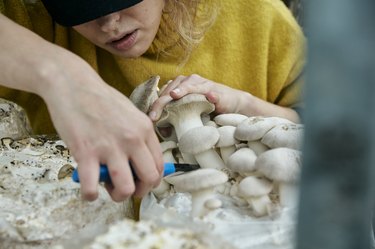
column 74, row 12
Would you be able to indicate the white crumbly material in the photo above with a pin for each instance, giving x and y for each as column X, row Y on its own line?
column 39, row 203
column 147, row 235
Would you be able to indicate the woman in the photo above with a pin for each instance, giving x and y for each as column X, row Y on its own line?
column 253, row 48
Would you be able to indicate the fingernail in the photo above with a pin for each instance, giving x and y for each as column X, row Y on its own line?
column 152, row 115
column 176, row 91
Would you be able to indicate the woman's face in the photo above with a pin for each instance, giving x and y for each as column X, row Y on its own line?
column 129, row 32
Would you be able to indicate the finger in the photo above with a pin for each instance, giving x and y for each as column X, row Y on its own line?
column 191, row 84
column 88, row 171
column 121, row 176
column 164, row 86
column 141, row 189
column 156, row 152
column 171, row 85
column 158, row 106
column 145, row 167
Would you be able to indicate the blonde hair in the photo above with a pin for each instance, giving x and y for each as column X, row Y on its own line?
column 183, row 26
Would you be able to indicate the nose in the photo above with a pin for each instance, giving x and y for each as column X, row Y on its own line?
column 109, row 22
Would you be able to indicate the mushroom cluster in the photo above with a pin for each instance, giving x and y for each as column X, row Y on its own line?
column 256, row 161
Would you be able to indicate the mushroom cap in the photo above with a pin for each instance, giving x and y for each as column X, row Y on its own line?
column 198, row 139
column 144, row 95
column 284, row 135
column 280, row 164
column 257, row 146
column 232, row 119
column 253, row 186
column 197, row 179
column 254, row 128
column 191, row 102
column 167, row 145
column 226, row 136
column 242, row 160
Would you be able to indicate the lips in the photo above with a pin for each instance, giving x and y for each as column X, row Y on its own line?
column 125, row 42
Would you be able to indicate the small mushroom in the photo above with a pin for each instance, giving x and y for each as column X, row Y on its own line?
column 284, row 135
column 231, row 119
column 213, row 203
column 163, row 188
column 144, row 95
column 185, row 113
column 254, row 128
column 226, row 142
column 257, row 146
column 167, row 149
column 200, row 184
column 283, row 166
column 200, row 142
column 255, row 190
column 242, row 161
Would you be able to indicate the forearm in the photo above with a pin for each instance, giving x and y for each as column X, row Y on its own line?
column 250, row 105
column 30, row 63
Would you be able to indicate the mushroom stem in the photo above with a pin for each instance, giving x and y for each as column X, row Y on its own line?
column 198, row 198
column 288, row 193
column 225, row 152
column 260, row 205
column 209, row 159
column 185, row 123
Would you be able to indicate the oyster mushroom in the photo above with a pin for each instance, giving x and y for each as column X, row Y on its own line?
column 145, row 94
column 167, row 149
column 242, row 161
column 226, row 142
column 283, row 166
column 163, row 188
column 200, row 142
column 257, row 146
column 255, row 190
column 284, row 135
column 185, row 113
column 231, row 119
column 200, row 184
column 254, row 128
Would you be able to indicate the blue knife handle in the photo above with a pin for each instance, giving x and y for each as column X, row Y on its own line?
column 104, row 176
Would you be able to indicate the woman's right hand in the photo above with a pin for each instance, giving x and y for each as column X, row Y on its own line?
column 98, row 124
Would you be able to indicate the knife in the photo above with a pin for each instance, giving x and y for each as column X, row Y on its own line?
column 169, row 168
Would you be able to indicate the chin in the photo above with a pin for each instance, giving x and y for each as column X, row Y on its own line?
column 132, row 53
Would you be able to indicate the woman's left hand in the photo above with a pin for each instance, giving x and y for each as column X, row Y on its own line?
column 225, row 99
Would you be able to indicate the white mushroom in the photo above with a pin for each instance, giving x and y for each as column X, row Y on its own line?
column 213, row 203
column 257, row 146
column 284, row 135
column 200, row 184
column 255, row 190
column 231, row 119
column 144, row 95
column 226, row 142
column 242, row 161
column 282, row 165
column 199, row 142
column 185, row 114
column 167, row 149
column 254, row 128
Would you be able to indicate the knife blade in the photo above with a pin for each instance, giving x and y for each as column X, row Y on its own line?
column 169, row 168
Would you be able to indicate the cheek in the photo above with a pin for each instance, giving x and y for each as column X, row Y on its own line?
column 87, row 31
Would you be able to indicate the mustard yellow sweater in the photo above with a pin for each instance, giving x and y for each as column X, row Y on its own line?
column 254, row 45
